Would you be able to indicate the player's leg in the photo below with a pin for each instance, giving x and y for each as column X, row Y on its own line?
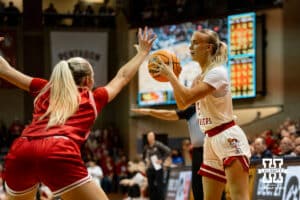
column 238, row 180
column 25, row 196
column 74, row 182
column 213, row 176
column 20, row 170
column 236, row 163
column 212, row 188
column 89, row 190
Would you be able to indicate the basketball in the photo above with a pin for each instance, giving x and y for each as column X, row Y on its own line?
column 164, row 56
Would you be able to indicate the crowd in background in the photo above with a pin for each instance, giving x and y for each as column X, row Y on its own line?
column 109, row 164
column 9, row 14
column 82, row 14
column 284, row 142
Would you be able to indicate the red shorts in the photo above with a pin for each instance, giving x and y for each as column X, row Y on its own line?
column 54, row 161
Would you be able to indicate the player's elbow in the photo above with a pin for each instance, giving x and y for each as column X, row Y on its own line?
column 184, row 103
column 181, row 106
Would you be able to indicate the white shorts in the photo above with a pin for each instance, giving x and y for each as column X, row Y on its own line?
column 220, row 150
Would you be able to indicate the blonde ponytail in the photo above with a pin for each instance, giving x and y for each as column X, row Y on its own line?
column 220, row 56
column 64, row 97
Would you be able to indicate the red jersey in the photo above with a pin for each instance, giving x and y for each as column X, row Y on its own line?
column 77, row 127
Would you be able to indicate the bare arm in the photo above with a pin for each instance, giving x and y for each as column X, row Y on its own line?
column 126, row 73
column 158, row 113
column 184, row 96
column 13, row 76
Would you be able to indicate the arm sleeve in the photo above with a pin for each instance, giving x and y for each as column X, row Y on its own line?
column 165, row 150
column 187, row 113
column 101, row 97
column 144, row 152
column 217, row 77
column 36, row 86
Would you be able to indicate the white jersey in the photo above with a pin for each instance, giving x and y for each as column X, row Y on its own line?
column 216, row 108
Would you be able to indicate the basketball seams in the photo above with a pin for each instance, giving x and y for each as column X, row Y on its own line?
column 165, row 57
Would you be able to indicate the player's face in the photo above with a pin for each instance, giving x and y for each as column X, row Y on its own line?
column 199, row 48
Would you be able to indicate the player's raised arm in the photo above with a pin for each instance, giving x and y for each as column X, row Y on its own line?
column 13, row 76
column 126, row 72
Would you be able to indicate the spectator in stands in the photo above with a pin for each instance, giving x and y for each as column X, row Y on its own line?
column 106, row 9
column 78, row 8
column 51, row 9
column 108, row 168
column 45, row 193
column 121, row 170
column 65, row 109
column 275, row 147
column 177, row 158
column 2, row 9
column 268, row 136
column 106, row 15
column 77, row 14
column 15, row 130
column 89, row 10
column 1, row 170
column 287, row 147
column 154, row 155
column 284, row 132
column 188, row 151
column 13, row 14
column 89, row 16
column 260, row 149
column 50, row 15
column 3, row 134
column 2, row 191
column 136, row 181
column 292, row 127
column 297, row 146
column 95, row 171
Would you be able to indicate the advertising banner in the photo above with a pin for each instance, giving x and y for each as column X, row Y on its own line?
column 92, row 46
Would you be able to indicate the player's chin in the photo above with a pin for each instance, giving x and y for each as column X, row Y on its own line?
column 193, row 56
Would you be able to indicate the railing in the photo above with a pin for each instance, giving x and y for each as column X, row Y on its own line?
column 79, row 20
column 62, row 20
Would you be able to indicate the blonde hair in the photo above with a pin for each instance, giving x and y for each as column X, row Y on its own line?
column 63, row 85
column 219, row 50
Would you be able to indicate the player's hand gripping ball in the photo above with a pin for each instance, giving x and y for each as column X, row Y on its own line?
column 168, row 58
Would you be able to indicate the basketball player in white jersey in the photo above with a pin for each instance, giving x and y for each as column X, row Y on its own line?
column 226, row 149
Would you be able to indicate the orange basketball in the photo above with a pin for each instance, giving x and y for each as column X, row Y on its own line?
column 164, row 56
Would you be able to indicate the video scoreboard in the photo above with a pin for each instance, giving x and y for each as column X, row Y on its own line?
column 242, row 54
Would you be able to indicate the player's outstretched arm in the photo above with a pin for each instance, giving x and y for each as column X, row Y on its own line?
column 13, row 76
column 126, row 72
column 157, row 113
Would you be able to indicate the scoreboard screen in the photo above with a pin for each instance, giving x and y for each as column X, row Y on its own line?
column 242, row 55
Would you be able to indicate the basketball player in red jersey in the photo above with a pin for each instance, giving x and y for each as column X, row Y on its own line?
column 226, row 149
column 65, row 108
